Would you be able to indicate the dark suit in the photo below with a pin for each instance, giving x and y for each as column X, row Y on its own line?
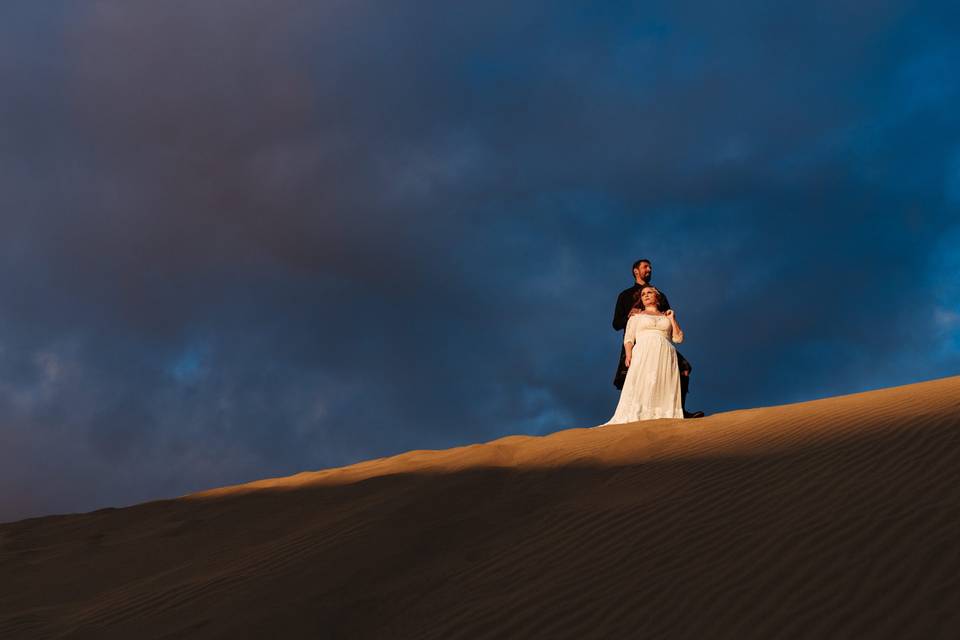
column 625, row 302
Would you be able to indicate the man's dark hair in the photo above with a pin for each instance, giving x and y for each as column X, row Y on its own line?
column 638, row 263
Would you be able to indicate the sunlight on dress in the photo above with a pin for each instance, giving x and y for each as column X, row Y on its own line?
column 652, row 387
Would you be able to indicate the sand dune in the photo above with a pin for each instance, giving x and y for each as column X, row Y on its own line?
column 833, row 518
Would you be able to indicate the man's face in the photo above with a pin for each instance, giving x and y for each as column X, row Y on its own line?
column 643, row 271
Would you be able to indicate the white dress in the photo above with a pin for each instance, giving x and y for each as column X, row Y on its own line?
column 652, row 387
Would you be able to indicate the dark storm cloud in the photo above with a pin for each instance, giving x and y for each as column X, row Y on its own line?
column 243, row 239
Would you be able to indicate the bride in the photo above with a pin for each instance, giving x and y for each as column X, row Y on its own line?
column 652, row 387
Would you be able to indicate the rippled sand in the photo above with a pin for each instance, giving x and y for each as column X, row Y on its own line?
column 832, row 518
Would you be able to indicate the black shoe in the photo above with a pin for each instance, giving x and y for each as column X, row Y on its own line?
column 696, row 414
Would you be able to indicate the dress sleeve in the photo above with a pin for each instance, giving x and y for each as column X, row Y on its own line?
column 677, row 339
column 630, row 335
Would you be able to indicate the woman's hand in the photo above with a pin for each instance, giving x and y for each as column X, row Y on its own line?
column 677, row 336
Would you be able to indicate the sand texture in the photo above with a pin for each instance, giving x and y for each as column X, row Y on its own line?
column 836, row 518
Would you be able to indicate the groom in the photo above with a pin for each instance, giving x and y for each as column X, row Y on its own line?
column 642, row 272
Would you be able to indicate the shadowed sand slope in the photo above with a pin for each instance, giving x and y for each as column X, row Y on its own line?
column 833, row 518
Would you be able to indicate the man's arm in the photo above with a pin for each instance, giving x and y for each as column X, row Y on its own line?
column 622, row 310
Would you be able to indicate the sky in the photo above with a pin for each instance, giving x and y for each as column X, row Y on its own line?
column 243, row 239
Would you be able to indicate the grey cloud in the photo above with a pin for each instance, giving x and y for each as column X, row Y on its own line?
column 242, row 240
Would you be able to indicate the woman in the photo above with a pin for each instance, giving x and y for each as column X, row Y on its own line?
column 652, row 387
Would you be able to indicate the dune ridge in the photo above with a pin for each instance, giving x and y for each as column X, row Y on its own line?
column 832, row 518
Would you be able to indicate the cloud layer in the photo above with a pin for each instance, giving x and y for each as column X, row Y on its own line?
column 243, row 239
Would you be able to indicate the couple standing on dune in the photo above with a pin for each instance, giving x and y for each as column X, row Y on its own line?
column 652, row 375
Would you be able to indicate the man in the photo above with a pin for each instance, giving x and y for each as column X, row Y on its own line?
column 642, row 272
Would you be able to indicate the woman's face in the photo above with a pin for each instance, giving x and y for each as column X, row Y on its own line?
column 648, row 297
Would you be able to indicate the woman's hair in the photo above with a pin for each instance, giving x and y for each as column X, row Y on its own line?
column 638, row 303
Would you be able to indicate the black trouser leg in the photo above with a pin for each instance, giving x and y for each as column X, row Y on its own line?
column 685, row 368
column 684, row 386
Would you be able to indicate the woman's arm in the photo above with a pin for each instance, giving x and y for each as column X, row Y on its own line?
column 677, row 336
column 630, row 338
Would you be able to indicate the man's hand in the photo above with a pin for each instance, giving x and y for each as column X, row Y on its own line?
column 633, row 312
column 668, row 313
